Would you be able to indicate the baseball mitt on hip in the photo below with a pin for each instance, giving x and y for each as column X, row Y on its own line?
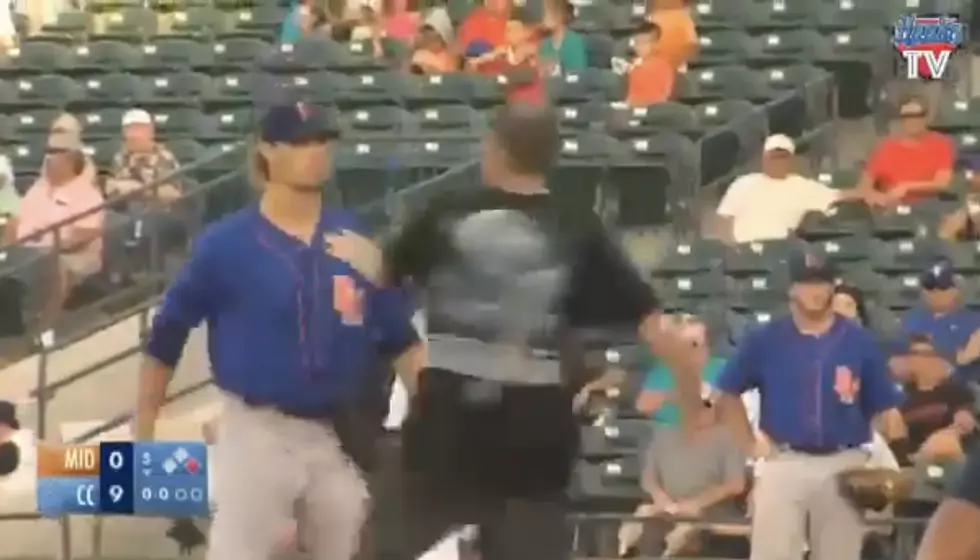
column 872, row 488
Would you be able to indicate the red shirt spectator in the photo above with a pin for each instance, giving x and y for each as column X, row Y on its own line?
column 651, row 77
column 517, row 63
column 913, row 162
column 486, row 23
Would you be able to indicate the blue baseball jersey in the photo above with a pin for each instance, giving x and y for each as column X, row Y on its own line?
column 815, row 391
column 949, row 332
column 288, row 324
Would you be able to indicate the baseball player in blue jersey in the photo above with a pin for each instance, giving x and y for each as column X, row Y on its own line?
column 291, row 329
column 822, row 381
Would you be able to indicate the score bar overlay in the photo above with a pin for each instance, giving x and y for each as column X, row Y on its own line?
column 152, row 479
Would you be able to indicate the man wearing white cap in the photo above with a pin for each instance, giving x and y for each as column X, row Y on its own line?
column 770, row 204
column 142, row 160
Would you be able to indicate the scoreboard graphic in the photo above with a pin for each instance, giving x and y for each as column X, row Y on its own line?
column 153, row 479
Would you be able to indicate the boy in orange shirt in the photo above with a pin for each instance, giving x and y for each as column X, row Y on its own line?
column 651, row 76
column 678, row 33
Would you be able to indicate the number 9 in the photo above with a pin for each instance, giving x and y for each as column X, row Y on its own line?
column 116, row 460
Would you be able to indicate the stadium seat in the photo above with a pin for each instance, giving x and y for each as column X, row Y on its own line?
column 69, row 22
column 27, row 156
column 186, row 150
column 449, row 119
column 98, row 55
column 966, row 144
column 689, row 290
column 758, row 257
column 619, row 438
column 900, row 222
column 725, row 46
column 233, row 87
column 166, row 54
column 438, row 89
column 957, row 115
column 899, row 292
column 263, row 17
column 104, row 121
column 616, row 480
column 181, row 85
column 367, row 171
column 239, row 51
column 102, row 151
column 52, row 89
column 234, row 123
column 576, row 118
column 586, row 85
column 371, row 89
column 199, row 20
column 117, row 89
column 782, row 46
column 842, row 220
column 623, row 120
column 42, row 56
column 375, row 120
column 964, row 256
column 690, row 257
column 177, row 121
column 901, row 256
column 430, row 157
column 844, row 250
column 132, row 23
column 758, row 292
column 722, row 14
column 34, row 122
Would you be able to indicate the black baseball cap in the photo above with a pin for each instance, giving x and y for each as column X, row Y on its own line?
column 807, row 267
column 297, row 123
column 939, row 275
column 8, row 415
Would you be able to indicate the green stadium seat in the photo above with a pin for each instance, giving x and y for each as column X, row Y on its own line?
column 788, row 46
column 744, row 321
column 901, row 256
column 9, row 96
column 186, row 150
column 8, row 132
column 103, row 121
column 452, row 119
column 690, row 257
column 317, row 87
column 263, row 17
column 312, row 54
column 865, row 44
column 843, row 250
column 758, row 291
column 233, row 87
column 613, row 482
column 724, row 46
column 199, row 20
column 957, row 115
column 239, row 51
column 731, row 81
column 591, row 84
column 100, row 55
column 758, row 257
column 714, row 14
column 371, row 89
column 171, row 53
column 625, row 121
column 42, row 56
column 844, row 219
column 384, row 120
column 964, row 256
column 687, row 290
column 135, row 22
column 840, row 178
column 27, row 156
column 966, row 143
column 898, row 292
column 112, row 5
column 182, row 85
column 437, row 89
column 619, row 438
column 103, row 151
column 838, row 14
column 900, row 221
column 116, row 89
column 69, row 22
column 235, row 122
column 172, row 5
column 177, row 121
column 365, row 170
column 576, row 118
column 54, row 89
column 35, row 121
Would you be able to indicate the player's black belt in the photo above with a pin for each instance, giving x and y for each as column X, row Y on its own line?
column 819, row 450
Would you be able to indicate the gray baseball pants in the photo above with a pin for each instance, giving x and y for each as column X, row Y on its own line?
column 269, row 469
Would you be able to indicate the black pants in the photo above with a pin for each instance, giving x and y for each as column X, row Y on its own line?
column 412, row 512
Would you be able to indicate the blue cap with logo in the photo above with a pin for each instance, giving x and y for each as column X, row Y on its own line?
column 296, row 123
column 807, row 267
column 940, row 275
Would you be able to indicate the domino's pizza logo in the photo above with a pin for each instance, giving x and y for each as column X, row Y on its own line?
column 927, row 44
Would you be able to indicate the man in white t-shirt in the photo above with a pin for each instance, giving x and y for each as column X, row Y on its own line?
column 770, row 204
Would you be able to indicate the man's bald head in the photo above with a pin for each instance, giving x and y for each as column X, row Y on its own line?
column 527, row 136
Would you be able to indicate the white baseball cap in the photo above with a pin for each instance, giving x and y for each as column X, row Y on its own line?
column 136, row 116
column 779, row 142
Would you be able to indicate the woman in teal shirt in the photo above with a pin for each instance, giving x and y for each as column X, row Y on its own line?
column 562, row 47
column 658, row 385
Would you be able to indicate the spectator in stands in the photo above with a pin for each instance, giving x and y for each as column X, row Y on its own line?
column 938, row 409
column 561, row 49
column 9, row 197
column 650, row 76
column 485, row 27
column 964, row 223
column 849, row 302
column 142, row 160
column 432, row 53
column 909, row 164
column 298, row 22
column 68, row 129
column 654, row 399
column 8, row 30
column 771, row 204
column 516, row 61
column 678, row 33
column 941, row 315
column 691, row 475
column 61, row 193
column 400, row 20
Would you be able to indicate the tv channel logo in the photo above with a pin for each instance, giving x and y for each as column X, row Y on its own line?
column 927, row 44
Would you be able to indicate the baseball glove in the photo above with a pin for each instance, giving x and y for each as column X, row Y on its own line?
column 872, row 488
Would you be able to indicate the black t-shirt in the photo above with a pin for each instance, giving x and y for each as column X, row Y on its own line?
column 926, row 412
column 525, row 442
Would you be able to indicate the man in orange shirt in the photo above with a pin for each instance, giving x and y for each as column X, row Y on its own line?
column 486, row 24
column 651, row 76
column 909, row 164
column 678, row 34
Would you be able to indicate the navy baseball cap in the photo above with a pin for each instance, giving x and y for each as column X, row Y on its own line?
column 296, row 123
column 940, row 275
column 807, row 267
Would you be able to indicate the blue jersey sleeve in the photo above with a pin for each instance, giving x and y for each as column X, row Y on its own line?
column 391, row 320
column 188, row 301
column 741, row 372
column 658, row 379
column 879, row 392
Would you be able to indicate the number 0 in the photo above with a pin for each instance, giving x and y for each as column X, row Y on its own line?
column 116, row 460
column 147, row 494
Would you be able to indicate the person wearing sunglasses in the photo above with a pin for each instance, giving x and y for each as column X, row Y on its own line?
column 909, row 164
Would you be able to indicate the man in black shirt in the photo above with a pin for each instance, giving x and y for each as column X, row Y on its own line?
column 954, row 531
column 491, row 437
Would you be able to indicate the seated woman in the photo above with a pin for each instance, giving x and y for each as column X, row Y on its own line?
column 432, row 54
